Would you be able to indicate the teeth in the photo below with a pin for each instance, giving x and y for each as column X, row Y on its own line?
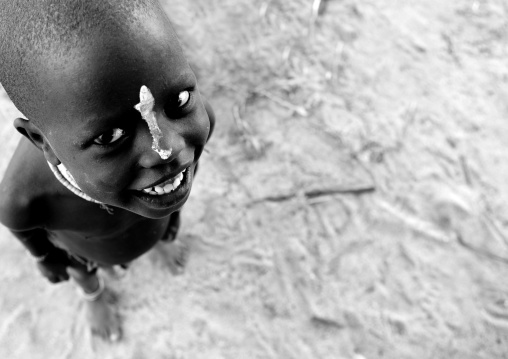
column 173, row 184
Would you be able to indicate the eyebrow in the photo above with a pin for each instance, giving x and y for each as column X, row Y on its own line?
column 182, row 78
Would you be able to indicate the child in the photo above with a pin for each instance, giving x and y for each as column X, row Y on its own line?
column 114, row 128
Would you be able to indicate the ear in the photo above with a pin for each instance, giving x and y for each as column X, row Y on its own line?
column 35, row 135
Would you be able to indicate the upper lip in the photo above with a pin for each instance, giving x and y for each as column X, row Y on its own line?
column 165, row 178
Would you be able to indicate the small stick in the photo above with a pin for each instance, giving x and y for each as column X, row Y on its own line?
column 298, row 109
column 311, row 194
column 480, row 251
column 465, row 170
column 315, row 9
column 263, row 8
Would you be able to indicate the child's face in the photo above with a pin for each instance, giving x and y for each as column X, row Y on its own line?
column 93, row 128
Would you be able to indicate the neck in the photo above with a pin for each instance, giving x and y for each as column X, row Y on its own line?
column 64, row 177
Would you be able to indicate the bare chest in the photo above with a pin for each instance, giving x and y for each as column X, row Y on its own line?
column 116, row 237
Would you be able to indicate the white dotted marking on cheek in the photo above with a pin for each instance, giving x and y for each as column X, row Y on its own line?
column 145, row 107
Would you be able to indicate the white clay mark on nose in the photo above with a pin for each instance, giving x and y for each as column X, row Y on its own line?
column 145, row 107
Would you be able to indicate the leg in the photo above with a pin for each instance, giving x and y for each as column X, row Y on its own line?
column 172, row 228
column 101, row 314
column 173, row 253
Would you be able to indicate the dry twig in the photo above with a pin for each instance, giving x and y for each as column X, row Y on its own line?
column 300, row 110
column 315, row 193
column 480, row 251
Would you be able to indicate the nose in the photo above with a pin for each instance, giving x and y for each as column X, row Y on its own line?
column 151, row 146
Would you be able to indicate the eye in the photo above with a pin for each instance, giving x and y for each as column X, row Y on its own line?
column 110, row 137
column 179, row 106
column 183, row 98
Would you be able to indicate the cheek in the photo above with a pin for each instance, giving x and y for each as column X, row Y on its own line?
column 199, row 128
column 105, row 179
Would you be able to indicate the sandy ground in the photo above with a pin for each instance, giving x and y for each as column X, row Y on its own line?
column 353, row 203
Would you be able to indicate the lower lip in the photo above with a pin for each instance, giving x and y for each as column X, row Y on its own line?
column 171, row 199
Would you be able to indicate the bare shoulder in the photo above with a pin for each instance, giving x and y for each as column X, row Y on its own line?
column 25, row 179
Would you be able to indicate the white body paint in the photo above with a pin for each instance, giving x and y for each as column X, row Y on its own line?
column 145, row 107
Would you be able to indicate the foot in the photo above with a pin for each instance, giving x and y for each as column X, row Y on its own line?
column 103, row 318
column 174, row 255
column 115, row 272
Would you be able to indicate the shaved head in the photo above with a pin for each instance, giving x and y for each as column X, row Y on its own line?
column 37, row 34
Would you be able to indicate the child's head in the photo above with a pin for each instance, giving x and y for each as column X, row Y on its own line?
column 75, row 68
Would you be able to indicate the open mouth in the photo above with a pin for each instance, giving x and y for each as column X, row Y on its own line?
column 167, row 186
column 169, row 193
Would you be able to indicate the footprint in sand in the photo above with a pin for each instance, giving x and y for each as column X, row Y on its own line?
column 495, row 308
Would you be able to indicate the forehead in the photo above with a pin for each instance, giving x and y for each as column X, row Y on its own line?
column 105, row 75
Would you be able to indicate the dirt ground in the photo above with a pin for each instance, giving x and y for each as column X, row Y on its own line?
column 353, row 203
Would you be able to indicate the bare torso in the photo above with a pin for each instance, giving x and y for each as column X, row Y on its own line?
column 72, row 223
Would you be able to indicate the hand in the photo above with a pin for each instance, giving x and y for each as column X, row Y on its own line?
column 54, row 266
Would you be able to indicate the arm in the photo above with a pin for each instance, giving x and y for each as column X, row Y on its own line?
column 23, row 209
column 35, row 241
column 51, row 261
column 24, row 221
